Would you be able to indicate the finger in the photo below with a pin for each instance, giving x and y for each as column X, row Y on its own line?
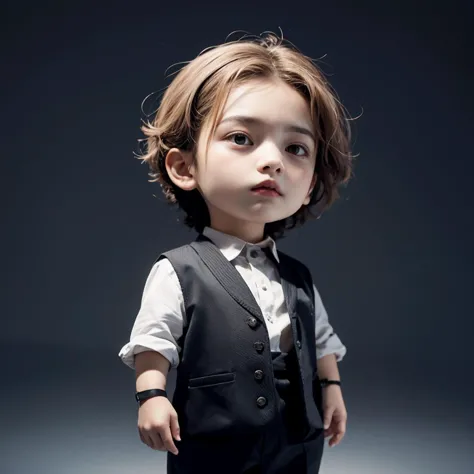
column 145, row 439
column 142, row 437
column 151, row 441
column 335, row 440
column 175, row 426
column 328, row 417
column 168, row 440
column 341, row 427
column 158, row 442
column 328, row 432
column 338, row 426
column 339, row 432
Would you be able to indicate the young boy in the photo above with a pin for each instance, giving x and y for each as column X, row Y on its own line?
column 247, row 140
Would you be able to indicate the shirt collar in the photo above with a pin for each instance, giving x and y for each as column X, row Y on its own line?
column 232, row 246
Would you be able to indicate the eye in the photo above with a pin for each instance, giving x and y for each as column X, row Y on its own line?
column 239, row 138
column 301, row 147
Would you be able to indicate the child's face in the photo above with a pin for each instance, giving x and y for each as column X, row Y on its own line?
column 241, row 155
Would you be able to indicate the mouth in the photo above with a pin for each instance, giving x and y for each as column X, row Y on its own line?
column 267, row 188
column 266, row 192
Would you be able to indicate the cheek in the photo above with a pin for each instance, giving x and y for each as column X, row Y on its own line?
column 222, row 171
column 302, row 179
column 217, row 181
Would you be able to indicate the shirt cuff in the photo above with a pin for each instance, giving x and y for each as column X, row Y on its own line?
column 332, row 346
column 146, row 342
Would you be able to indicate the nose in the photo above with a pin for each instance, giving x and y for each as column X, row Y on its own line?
column 270, row 160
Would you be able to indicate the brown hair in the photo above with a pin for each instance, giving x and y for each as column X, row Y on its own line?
column 197, row 96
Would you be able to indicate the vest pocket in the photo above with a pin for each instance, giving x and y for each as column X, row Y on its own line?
column 210, row 405
column 211, row 380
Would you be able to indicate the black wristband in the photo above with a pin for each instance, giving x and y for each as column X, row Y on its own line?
column 146, row 394
column 326, row 382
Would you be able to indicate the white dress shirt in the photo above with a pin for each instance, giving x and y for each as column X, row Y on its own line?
column 159, row 323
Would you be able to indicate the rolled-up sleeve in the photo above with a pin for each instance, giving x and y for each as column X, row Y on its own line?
column 159, row 323
column 327, row 341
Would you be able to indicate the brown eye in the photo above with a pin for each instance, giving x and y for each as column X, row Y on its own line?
column 305, row 152
column 238, row 138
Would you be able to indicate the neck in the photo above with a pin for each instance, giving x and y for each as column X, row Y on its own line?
column 248, row 232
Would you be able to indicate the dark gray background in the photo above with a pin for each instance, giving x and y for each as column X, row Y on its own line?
column 393, row 259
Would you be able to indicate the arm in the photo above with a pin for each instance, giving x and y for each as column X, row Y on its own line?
column 159, row 323
column 157, row 419
column 327, row 367
column 152, row 350
column 151, row 370
column 329, row 348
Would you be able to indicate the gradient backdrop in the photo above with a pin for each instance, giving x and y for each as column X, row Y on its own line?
column 81, row 226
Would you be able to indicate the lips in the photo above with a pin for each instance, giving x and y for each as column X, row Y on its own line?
column 269, row 185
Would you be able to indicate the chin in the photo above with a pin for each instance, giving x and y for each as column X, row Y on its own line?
column 269, row 219
column 257, row 214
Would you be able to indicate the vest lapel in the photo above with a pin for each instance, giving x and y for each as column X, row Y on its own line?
column 289, row 289
column 227, row 275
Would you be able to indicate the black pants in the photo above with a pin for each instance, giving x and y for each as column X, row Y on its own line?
column 280, row 449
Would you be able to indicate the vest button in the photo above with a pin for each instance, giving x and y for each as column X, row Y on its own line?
column 252, row 322
column 298, row 344
column 258, row 374
column 259, row 346
column 261, row 402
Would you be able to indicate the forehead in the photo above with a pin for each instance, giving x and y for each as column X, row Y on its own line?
column 268, row 100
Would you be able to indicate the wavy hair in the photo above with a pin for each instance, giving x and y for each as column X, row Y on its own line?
column 197, row 95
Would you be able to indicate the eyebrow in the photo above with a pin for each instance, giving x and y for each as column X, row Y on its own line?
column 247, row 120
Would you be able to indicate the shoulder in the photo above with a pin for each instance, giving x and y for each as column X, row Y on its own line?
column 181, row 256
column 162, row 274
column 173, row 264
column 174, row 252
column 162, row 294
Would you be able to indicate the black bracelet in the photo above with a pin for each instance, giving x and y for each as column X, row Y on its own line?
column 326, row 382
column 146, row 394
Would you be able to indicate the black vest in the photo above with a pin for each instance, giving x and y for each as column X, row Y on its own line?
column 225, row 381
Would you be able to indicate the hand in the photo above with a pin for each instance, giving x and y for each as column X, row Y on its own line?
column 335, row 415
column 158, row 424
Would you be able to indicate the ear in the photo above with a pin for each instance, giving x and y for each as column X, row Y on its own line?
column 311, row 187
column 180, row 168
